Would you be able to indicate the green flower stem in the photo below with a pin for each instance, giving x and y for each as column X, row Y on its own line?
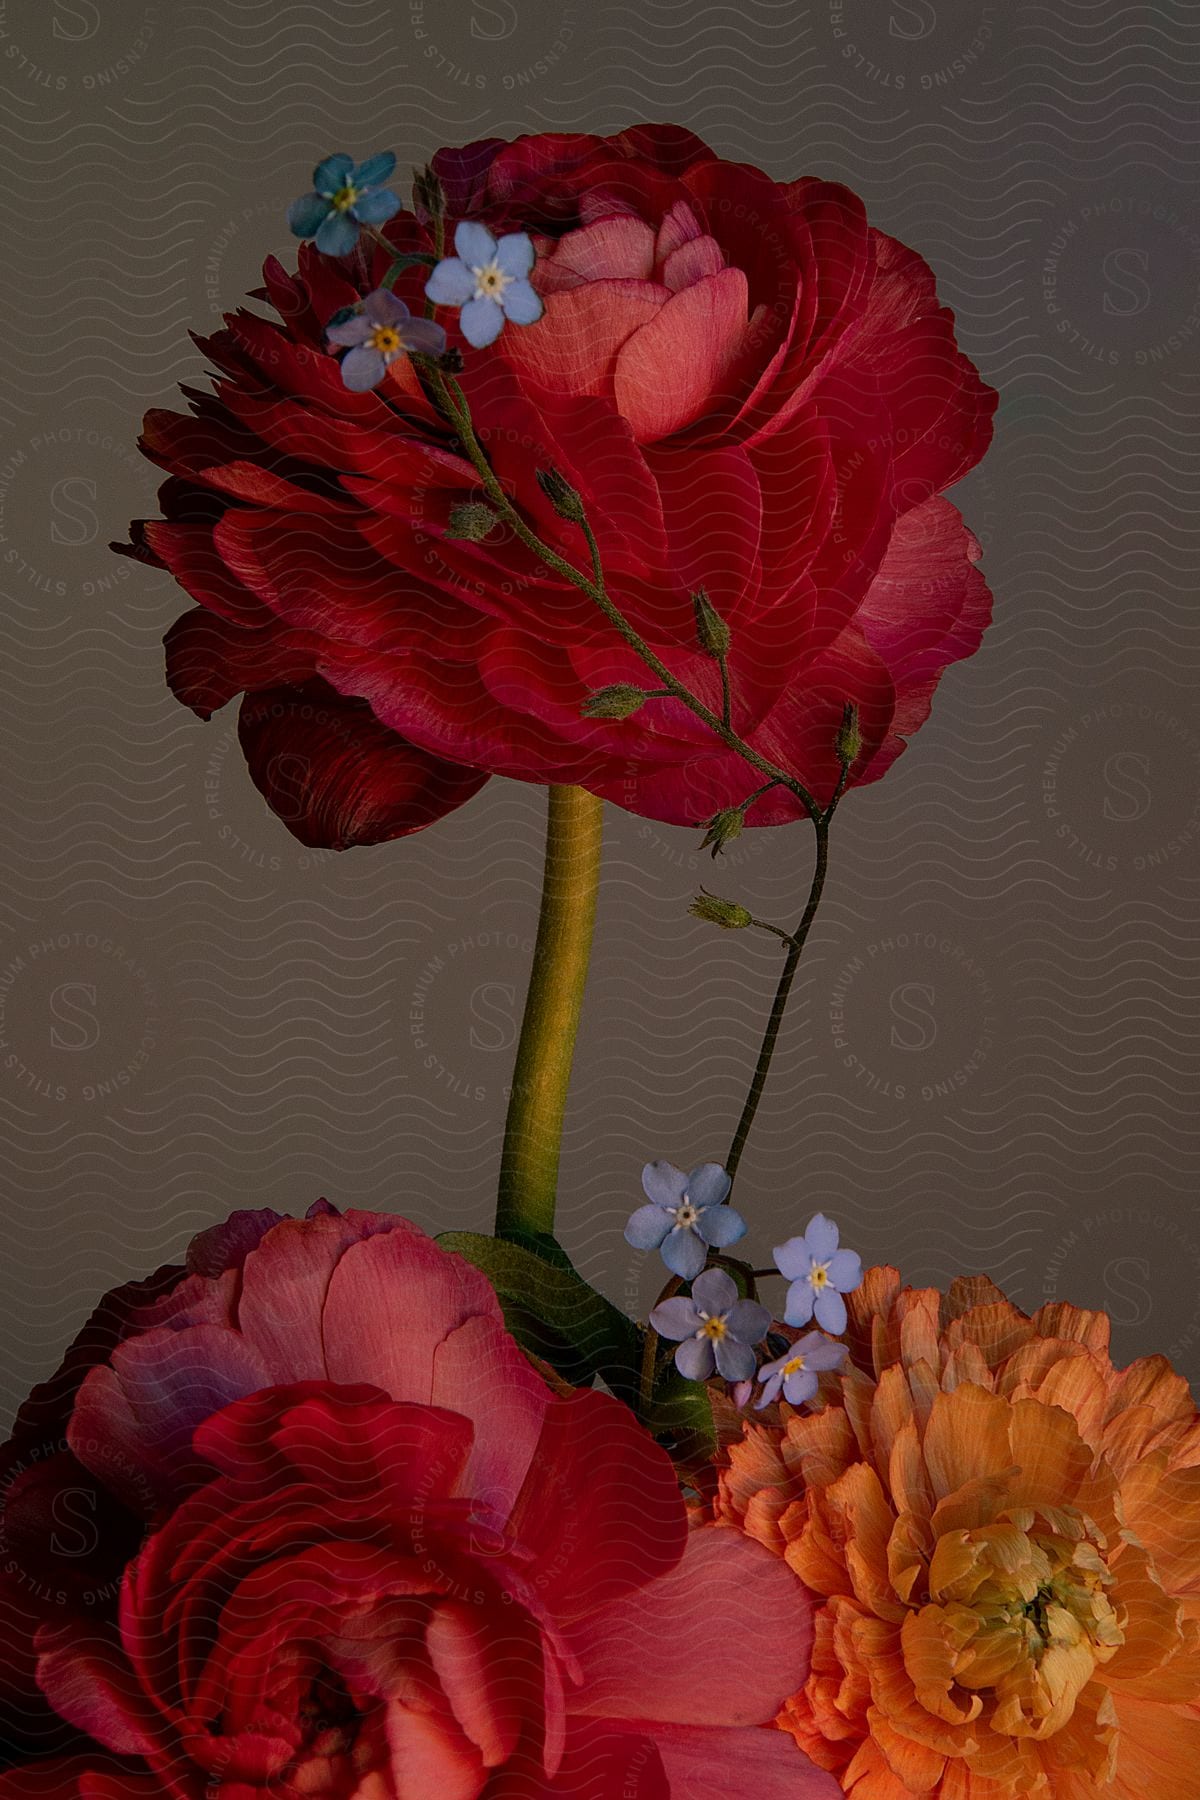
column 795, row 950
column 650, row 1351
column 458, row 411
column 533, row 1129
column 726, row 694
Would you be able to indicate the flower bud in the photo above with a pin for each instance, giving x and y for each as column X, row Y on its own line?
column 472, row 521
column 723, row 827
column 342, row 314
column 849, row 737
column 620, row 701
column 715, row 911
column 429, row 197
column 711, row 629
column 561, row 495
column 452, row 361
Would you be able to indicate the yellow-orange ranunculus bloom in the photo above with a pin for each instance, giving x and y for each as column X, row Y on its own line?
column 1002, row 1533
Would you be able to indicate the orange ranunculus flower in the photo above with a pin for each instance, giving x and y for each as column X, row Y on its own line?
column 1002, row 1532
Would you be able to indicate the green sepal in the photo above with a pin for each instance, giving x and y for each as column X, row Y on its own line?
column 553, row 1312
column 396, row 268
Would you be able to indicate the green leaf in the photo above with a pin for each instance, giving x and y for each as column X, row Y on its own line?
column 553, row 1312
column 681, row 1414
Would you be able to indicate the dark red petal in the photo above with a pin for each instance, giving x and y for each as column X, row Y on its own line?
column 603, row 1759
column 463, row 174
column 739, row 1765
column 766, row 1627
column 800, row 733
column 227, row 1245
column 601, row 1506
column 927, row 608
column 672, row 148
column 91, row 1777
column 447, row 709
column 209, row 660
column 87, row 1678
column 336, row 776
column 348, row 1441
column 182, row 443
column 348, row 445
column 712, row 505
column 191, row 554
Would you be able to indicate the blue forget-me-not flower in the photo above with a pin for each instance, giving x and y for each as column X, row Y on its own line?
column 820, row 1274
column 489, row 280
column 685, row 1216
column 378, row 333
column 718, row 1330
column 346, row 196
column 796, row 1373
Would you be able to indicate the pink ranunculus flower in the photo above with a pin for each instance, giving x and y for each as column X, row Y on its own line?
column 380, row 1559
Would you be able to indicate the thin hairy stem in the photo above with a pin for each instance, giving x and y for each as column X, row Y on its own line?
column 458, row 411
column 795, row 949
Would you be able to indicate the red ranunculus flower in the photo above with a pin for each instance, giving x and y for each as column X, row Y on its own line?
column 753, row 391
column 372, row 1556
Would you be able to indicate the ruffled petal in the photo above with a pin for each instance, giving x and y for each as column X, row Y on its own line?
column 763, row 1617
column 740, row 1765
column 337, row 777
column 611, row 1520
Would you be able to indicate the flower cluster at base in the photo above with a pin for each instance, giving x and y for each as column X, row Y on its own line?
column 1002, row 1534
column 343, row 1539
column 718, row 1327
column 752, row 396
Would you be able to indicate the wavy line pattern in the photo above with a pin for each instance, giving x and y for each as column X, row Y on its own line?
column 992, row 1057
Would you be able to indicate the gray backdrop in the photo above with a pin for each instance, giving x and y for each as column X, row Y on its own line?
column 991, row 1058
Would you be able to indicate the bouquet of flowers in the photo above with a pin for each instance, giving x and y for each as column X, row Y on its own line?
column 618, row 468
